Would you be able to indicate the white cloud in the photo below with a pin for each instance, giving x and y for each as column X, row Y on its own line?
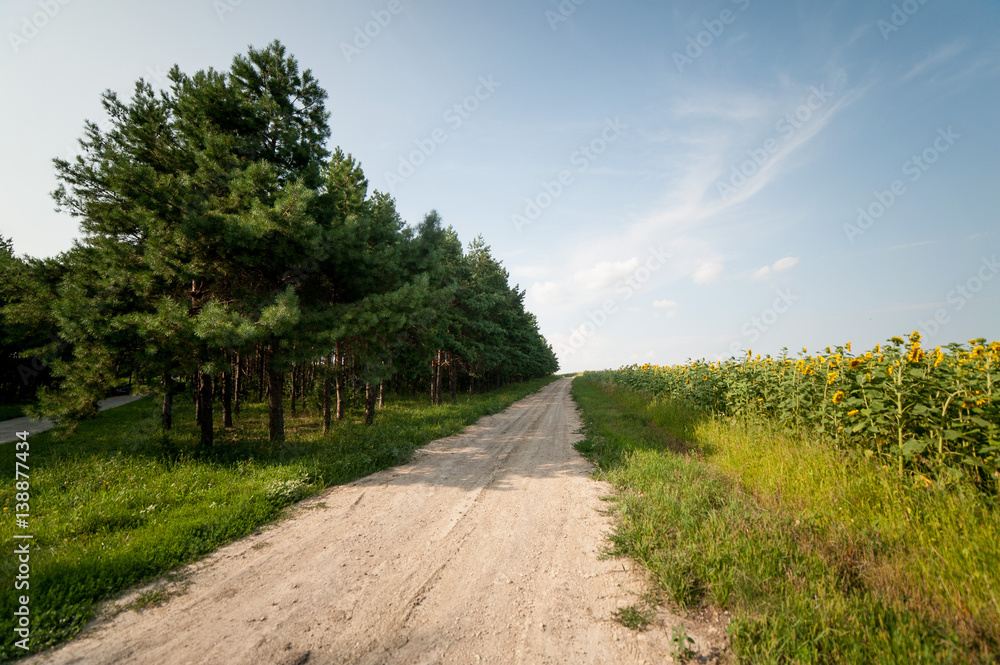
column 707, row 273
column 786, row 263
column 605, row 273
column 529, row 272
column 547, row 293
column 664, row 304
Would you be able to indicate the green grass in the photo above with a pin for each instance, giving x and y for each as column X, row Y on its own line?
column 10, row 411
column 636, row 617
column 116, row 504
column 820, row 556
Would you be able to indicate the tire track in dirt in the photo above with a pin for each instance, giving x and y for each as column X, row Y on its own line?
column 484, row 549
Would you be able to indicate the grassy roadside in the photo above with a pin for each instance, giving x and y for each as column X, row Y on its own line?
column 116, row 504
column 820, row 557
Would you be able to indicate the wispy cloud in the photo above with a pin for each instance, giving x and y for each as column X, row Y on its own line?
column 942, row 54
column 911, row 245
column 773, row 167
column 739, row 107
column 708, row 151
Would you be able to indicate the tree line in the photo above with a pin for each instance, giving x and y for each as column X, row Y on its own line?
column 228, row 254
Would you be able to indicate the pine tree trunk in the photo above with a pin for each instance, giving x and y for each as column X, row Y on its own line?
column 338, row 377
column 438, row 379
column 237, row 383
column 433, row 379
column 369, row 404
column 205, row 420
column 275, row 408
column 227, row 400
column 260, row 376
column 167, row 415
column 295, row 374
column 381, row 395
column 196, row 382
column 453, row 376
column 326, row 404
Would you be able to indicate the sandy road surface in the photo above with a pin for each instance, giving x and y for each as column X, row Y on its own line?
column 484, row 549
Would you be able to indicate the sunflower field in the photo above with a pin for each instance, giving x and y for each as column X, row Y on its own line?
column 933, row 412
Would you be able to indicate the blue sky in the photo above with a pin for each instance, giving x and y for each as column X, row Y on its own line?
column 666, row 180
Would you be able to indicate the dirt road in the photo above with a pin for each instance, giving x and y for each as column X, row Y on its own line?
column 484, row 549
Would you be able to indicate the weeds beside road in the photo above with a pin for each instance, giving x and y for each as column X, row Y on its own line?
column 820, row 555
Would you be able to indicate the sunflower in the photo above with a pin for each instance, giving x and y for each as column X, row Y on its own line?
column 839, row 397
